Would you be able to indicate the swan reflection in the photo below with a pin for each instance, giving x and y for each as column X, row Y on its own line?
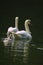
column 18, row 50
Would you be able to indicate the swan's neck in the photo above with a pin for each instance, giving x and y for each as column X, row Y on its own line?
column 16, row 22
column 27, row 27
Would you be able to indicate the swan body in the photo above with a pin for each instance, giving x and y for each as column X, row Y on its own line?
column 13, row 29
column 9, row 40
column 24, row 34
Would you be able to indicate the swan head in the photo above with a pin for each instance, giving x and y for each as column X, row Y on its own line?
column 16, row 21
column 28, row 21
column 16, row 18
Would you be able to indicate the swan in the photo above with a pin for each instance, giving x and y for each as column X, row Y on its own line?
column 9, row 40
column 13, row 29
column 24, row 34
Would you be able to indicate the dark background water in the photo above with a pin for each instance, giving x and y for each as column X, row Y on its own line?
column 23, row 9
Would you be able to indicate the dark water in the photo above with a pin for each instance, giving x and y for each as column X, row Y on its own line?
column 21, row 52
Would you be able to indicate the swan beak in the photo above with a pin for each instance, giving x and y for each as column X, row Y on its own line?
column 29, row 23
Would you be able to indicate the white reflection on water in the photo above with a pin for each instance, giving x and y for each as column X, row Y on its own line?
column 21, row 50
column 40, row 48
column 18, row 49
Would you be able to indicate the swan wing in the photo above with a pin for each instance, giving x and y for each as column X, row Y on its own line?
column 23, row 34
column 15, row 29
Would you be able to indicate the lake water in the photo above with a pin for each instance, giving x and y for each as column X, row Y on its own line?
column 21, row 52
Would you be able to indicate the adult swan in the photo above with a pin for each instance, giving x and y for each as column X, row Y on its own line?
column 24, row 34
column 13, row 29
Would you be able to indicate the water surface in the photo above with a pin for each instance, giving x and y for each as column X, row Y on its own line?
column 21, row 52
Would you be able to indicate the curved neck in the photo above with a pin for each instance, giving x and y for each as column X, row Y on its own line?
column 27, row 27
column 16, row 22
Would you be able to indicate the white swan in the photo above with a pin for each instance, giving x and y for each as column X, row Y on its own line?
column 13, row 29
column 24, row 34
column 9, row 40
